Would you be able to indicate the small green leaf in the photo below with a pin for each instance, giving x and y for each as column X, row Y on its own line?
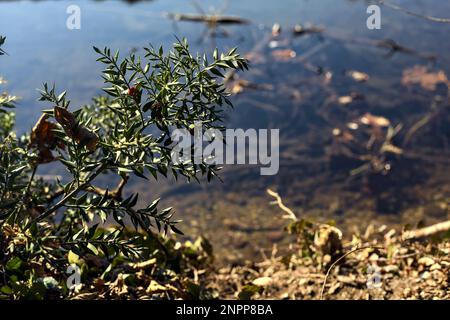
column 72, row 257
column 14, row 264
column 248, row 291
column 91, row 247
column 6, row 290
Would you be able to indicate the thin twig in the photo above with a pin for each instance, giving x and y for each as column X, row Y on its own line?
column 340, row 259
column 427, row 231
column 61, row 203
column 115, row 194
column 290, row 214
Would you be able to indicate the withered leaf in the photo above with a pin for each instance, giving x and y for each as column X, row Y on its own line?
column 42, row 134
column 354, row 96
column 375, row 121
column 66, row 119
column 344, row 100
column 358, row 76
column 284, row 54
column 44, row 139
column 151, row 105
column 155, row 287
column 80, row 134
column 239, row 86
column 427, row 80
column 45, row 155
column 86, row 138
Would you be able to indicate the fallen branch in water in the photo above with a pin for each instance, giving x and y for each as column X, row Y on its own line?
column 422, row 16
column 394, row 47
column 300, row 30
column 210, row 19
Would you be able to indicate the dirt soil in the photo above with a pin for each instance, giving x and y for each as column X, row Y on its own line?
column 384, row 268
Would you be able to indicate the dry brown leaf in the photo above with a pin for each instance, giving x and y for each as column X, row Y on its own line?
column 345, row 100
column 45, row 156
column 284, row 54
column 87, row 138
column 354, row 96
column 44, row 139
column 155, row 287
column 42, row 134
column 375, row 121
column 239, row 86
column 118, row 287
column 82, row 135
column 421, row 75
column 358, row 75
column 328, row 239
column 66, row 119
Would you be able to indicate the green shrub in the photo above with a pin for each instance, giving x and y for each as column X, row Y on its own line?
column 46, row 227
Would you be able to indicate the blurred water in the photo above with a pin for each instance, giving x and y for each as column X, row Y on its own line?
column 42, row 49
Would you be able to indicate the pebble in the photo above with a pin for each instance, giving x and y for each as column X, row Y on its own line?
column 407, row 292
column 263, row 281
column 435, row 266
column 391, row 269
column 425, row 275
column 374, row 257
column 426, row 261
column 334, row 288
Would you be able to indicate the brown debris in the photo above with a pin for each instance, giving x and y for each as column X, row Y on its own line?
column 209, row 19
column 284, row 54
column 374, row 121
column 276, row 30
column 300, row 30
column 44, row 139
column 80, row 134
column 328, row 240
column 358, row 76
column 374, row 269
column 346, row 100
column 426, row 79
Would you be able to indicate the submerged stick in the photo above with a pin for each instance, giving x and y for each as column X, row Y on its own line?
column 212, row 19
column 411, row 13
